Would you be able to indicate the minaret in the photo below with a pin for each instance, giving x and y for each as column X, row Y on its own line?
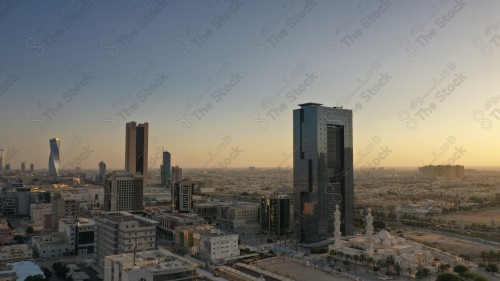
column 369, row 226
column 337, row 233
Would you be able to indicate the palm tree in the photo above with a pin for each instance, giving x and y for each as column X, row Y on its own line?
column 355, row 258
column 340, row 255
column 370, row 261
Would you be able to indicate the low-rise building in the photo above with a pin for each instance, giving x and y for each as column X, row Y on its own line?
column 20, row 270
column 217, row 246
column 148, row 266
column 187, row 238
column 79, row 234
column 123, row 232
column 14, row 253
column 242, row 217
column 169, row 221
column 41, row 215
column 51, row 245
column 6, row 236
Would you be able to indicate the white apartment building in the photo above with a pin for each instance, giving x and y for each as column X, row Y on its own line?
column 52, row 245
column 148, row 266
column 79, row 233
column 217, row 247
column 122, row 232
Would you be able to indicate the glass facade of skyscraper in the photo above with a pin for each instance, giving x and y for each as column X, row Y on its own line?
column 323, row 171
column 54, row 161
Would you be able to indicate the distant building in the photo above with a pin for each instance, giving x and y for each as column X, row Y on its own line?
column 102, row 172
column 7, row 167
column 445, row 171
column 165, row 172
column 2, row 159
column 14, row 253
column 176, row 174
column 122, row 232
column 148, row 266
column 169, row 221
column 23, row 167
column 275, row 215
column 123, row 191
column 182, row 196
column 322, row 171
column 62, row 208
column 208, row 211
column 32, row 168
column 54, row 160
column 136, row 149
column 41, row 216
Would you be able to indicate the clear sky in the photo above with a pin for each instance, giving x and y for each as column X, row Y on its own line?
column 217, row 80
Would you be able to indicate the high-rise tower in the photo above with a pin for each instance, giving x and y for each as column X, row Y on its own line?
column 322, row 171
column 102, row 172
column 165, row 170
column 136, row 149
column 2, row 157
column 54, row 161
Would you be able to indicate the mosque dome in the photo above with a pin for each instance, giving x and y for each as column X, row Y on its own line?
column 383, row 234
column 386, row 243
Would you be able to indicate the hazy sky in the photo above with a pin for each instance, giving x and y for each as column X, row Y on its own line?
column 219, row 79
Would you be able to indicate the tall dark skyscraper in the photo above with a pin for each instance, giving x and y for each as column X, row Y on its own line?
column 2, row 155
column 136, row 149
column 275, row 215
column 102, row 172
column 54, row 161
column 322, row 171
column 166, row 177
column 176, row 174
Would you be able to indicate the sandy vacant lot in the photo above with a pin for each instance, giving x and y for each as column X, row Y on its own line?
column 298, row 271
column 450, row 245
column 478, row 217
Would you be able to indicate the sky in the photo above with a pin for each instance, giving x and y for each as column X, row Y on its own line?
column 217, row 81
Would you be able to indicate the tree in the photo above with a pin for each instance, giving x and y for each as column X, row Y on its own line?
column 460, row 269
column 492, row 267
column 379, row 225
column 46, row 272
column 19, row 239
column 448, row 276
column 29, row 230
column 355, row 258
column 60, row 269
column 38, row 277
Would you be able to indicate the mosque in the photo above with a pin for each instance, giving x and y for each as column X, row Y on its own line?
column 380, row 246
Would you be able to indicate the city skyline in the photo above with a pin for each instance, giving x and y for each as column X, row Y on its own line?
column 218, row 84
